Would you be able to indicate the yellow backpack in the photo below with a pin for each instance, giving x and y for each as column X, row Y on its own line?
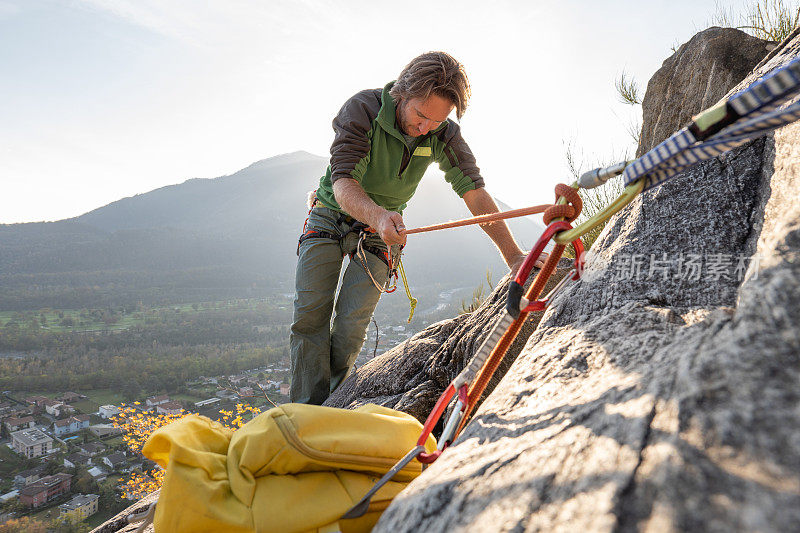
column 293, row 468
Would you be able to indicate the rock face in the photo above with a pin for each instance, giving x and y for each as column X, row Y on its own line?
column 694, row 78
column 660, row 393
column 119, row 523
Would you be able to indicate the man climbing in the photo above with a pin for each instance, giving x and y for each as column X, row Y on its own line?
column 384, row 141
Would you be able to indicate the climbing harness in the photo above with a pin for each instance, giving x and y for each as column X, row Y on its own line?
column 750, row 113
column 393, row 263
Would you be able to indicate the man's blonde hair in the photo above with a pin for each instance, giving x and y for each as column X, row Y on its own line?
column 434, row 72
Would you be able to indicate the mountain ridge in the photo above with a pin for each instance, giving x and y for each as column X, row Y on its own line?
column 242, row 226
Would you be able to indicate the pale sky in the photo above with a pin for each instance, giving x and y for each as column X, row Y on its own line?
column 102, row 99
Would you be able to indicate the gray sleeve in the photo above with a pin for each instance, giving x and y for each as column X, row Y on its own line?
column 351, row 142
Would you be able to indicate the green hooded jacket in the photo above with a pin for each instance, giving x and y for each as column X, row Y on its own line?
column 369, row 148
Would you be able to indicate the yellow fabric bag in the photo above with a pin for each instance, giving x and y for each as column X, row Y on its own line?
column 293, row 468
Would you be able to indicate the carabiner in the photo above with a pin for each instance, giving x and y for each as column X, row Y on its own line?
column 573, row 275
column 516, row 287
column 430, row 423
column 455, row 419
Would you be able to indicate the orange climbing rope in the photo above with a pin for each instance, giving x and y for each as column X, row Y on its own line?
column 483, row 219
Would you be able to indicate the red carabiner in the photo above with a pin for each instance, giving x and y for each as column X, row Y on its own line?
column 541, row 305
column 533, row 256
column 430, row 423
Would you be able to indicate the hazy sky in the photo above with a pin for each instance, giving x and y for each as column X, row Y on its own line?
column 101, row 99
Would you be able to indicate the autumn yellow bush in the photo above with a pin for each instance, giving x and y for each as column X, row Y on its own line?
column 138, row 425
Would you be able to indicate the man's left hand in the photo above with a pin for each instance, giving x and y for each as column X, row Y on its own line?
column 517, row 262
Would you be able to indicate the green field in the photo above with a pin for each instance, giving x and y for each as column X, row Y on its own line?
column 85, row 320
column 96, row 398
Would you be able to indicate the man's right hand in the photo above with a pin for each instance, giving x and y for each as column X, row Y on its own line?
column 391, row 229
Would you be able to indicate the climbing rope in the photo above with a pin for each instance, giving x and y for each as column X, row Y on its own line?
column 412, row 301
column 482, row 219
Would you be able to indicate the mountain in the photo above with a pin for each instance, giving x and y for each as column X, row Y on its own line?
column 227, row 237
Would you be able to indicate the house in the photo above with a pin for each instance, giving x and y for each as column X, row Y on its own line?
column 156, row 400
column 26, row 477
column 225, row 393
column 107, row 411
column 31, row 442
column 69, row 397
column 53, row 407
column 234, row 380
column 115, row 460
column 9, row 496
column 38, row 401
column 102, row 430
column 204, row 403
column 285, row 389
column 44, row 490
column 15, row 424
column 97, row 473
column 70, row 425
column 80, row 507
column 246, row 391
column 169, row 408
column 77, row 459
column 92, row 448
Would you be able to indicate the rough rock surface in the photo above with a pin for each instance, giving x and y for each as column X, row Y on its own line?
column 120, row 521
column 695, row 78
column 412, row 376
column 657, row 397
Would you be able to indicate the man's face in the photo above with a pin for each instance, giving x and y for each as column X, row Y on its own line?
column 417, row 116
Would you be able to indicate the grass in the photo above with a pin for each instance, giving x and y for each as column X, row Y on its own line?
column 96, row 398
column 10, row 462
column 772, row 20
column 114, row 441
column 187, row 397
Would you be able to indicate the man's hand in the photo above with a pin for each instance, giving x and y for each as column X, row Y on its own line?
column 515, row 263
column 391, row 229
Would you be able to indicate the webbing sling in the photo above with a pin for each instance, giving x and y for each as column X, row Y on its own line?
column 751, row 113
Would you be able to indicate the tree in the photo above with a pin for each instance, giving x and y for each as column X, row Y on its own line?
column 83, row 482
column 25, row 524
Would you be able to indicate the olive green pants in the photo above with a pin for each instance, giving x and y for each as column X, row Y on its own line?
column 323, row 351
